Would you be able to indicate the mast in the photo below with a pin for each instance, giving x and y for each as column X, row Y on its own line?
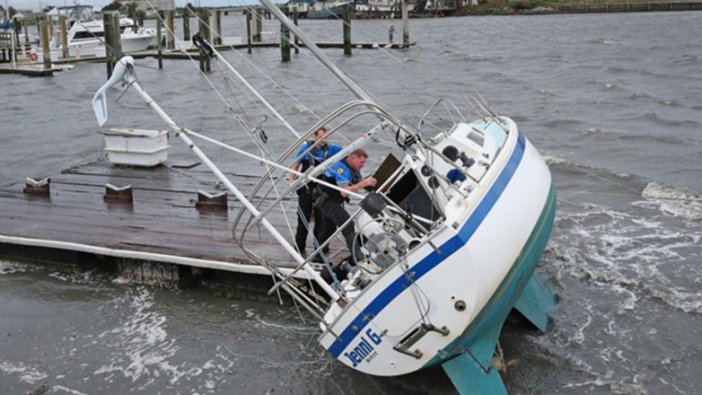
column 345, row 79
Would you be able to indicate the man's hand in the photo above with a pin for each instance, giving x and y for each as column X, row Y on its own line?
column 368, row 182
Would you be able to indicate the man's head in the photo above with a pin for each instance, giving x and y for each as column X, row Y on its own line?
column 357, row 159
column 320, row 136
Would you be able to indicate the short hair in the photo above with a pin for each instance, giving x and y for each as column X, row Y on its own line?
column 324, row 127
column 359, row 152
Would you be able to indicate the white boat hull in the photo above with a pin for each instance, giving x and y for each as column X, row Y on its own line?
column 455, row 283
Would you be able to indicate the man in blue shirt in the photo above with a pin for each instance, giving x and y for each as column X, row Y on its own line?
column 347, row 175
column 312, row 153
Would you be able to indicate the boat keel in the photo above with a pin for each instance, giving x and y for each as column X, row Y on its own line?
column 536, row 301
column 469, row 377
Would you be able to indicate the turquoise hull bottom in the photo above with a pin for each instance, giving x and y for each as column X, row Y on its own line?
column 467, row 360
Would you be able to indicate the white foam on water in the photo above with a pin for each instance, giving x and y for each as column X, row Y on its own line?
column 76, row 278
column 554, row 160
column 26, row 374
column 679, row 202
column 288, row 327
column 142, row 348
column 7, row 267
column 625, row 253
column 66, row 389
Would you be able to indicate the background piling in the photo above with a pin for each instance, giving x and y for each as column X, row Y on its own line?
column 248, row 31
column 284, row 38
column 296, row 15
column 218, row 35
column 405, row 25
column 64, row 36
column 186, row 24
column 113, row 39
column 170, row 30
column 204, row 17
column 347, row 28
column 44, row 27
column 159, row 40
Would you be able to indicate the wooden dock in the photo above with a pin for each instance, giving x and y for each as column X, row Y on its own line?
column 76, row 224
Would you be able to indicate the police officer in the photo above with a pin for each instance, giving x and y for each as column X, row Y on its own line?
column 347, row 175
column 312, row 153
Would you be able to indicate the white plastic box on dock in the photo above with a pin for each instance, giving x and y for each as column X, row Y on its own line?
column 136, row 147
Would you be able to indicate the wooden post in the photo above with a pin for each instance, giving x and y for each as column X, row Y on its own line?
column 110, row 20
column 405, row 25
column 248, row 31
column 26, row 32
column 159, row 40
column 140, row 18
column 64, row 36
column 204, row 17
column 170, row 30
column 186, row 24
column 284, row 39
column 346, row 20
column 45, row 42
column 218, row 35
column 296, row 14
column 257, row 24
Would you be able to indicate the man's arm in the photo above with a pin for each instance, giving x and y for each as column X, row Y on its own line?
column 292, row 176
column 366, row 182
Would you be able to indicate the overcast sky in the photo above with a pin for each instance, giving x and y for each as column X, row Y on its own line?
column 38, row 4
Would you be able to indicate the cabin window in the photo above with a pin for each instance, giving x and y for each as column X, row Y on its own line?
column 476, row 137
column 86, row 34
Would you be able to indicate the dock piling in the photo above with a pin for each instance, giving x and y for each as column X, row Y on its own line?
column 296, row 15
column 284, row 38
column 256, row 24
column 218, row 33
column 405, row 25
column 170, row 30
column 64, row 36
column 159, row 40
column 46, row 49
column 347, row 28
column 204, row 17
column 186, row 25
column 248, row 31
column 26, row 32
column 113, row 43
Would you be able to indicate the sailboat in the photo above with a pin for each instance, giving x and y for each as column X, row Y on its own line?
column 448, row 241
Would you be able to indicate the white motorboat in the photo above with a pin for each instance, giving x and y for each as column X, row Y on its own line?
column 86, row 34
column 447, row 242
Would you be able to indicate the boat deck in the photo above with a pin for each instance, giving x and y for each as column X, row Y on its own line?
column 161, row 224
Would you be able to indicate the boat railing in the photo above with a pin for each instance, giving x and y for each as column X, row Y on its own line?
column 431, row 117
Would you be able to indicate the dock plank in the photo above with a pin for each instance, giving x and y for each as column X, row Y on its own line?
column 161, row 219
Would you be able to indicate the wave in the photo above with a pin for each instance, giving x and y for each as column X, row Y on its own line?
column 676, row 201
column 653, row 117
column 605, row 41
column 629, row 136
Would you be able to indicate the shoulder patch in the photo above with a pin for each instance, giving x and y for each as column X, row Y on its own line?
column 340, row 170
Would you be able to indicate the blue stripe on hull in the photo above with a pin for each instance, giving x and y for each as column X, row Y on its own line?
column 480, row 337
column 433, row 259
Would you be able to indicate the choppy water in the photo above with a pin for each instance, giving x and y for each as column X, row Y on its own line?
column 614, row 102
